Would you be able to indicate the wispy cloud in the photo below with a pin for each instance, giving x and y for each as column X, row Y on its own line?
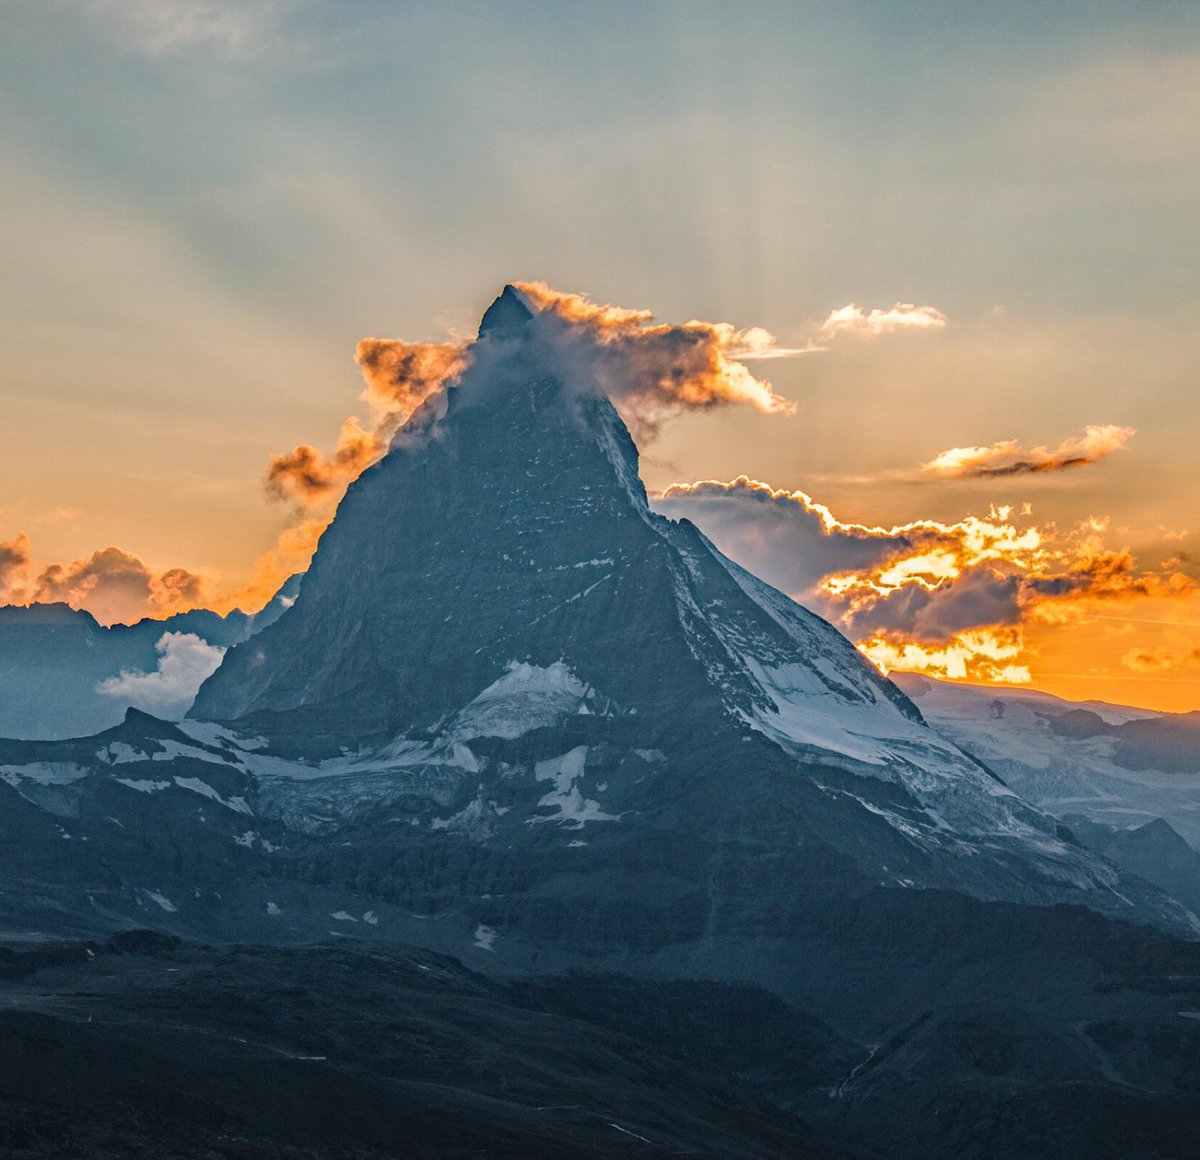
column 1010, row 458
column 238, row 30
column 652, row 369
column 853, row 320
column 1160, row 660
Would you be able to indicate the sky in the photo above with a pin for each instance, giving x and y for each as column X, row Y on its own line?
column 970, row 231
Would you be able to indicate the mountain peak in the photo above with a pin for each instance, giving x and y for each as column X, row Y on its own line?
column 507, row 316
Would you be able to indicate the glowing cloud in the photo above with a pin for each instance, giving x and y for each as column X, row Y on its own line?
column 980, row 653
column 950, row 599
column 185, row 663
column 310, row 477
column 1010, row 458
column 114, row 585
column 648, row 369
column 1159, row 660
column 402, row 375
column 14, row 564
column 853, row 320
column 291, row 553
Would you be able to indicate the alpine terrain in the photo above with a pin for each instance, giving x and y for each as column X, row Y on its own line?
column 533, row 778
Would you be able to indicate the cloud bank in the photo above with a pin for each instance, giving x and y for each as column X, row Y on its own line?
column 949, row 599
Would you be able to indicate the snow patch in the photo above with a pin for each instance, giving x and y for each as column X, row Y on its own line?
column 573, row 809
column 526, row 697
column 44, row 773
column 141, row 785
column 162, row 901
column 237, row 804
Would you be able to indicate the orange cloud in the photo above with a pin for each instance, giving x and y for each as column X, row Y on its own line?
column 402, row 375
column 853, row 320
column 951, row 599
column 651, row 370
column 981, row 653
column 648, row 369
column 291, row 553
column 112, row 584
column 1158, row 660
column 14, row 564
column 1010, row 458
column 311, row 477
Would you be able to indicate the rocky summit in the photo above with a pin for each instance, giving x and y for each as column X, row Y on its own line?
column 515, row 717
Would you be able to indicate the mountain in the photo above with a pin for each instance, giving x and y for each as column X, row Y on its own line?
column 1112, row 764
column 54, row 660
column 538, row 819
column 510, row 695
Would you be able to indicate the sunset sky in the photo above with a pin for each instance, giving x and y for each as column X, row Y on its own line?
column 961, row 246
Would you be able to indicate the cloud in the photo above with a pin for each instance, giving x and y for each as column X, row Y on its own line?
column 233, row 29
column 112, row 584
column 983, row 653
column 853, row 320
column 1010, row 458
column 401, row 375
column 651, row 370
column 291, row 553
column 952, row 599
column 14, row 564
column 185, row 663
column 1159, row 660
column 115, row 586
column 310, row 477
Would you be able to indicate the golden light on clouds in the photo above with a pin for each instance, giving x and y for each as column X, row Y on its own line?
column 853, row 320
column 647, row 368
column 1010, row 458
column 957, row 600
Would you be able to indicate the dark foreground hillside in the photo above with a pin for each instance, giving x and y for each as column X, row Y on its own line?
column 983, row 1030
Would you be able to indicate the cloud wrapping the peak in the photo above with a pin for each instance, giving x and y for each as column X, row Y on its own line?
column 402, row 375
column 651, row 370
column 1010, row 458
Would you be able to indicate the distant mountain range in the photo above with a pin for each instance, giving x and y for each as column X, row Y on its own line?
column 56, row 663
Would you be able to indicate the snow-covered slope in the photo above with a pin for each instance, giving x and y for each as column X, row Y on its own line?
column 1112, row 764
